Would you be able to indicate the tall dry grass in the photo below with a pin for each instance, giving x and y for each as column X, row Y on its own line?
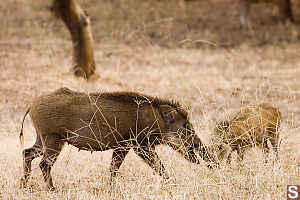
column 35, row 58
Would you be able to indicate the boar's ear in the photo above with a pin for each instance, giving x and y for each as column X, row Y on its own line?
column 168, row 113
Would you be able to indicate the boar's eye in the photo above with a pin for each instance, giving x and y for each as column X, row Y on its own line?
column 220, row 148
column 188, row 127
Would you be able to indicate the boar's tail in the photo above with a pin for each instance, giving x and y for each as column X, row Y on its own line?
column 279, row 143
column 21, row 137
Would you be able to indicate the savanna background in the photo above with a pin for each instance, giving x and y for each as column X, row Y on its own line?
column 153, row 47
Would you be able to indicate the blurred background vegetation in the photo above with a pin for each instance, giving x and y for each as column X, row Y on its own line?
column 166, row 23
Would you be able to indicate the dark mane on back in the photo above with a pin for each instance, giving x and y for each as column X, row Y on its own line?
column 134, row 97
column 126, row 97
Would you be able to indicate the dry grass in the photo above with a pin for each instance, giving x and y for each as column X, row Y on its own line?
column 35, row 60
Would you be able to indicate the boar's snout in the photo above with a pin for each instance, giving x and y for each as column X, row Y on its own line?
column 181, row 135
column 204, row 151
column 197, row 143
column 192, row 156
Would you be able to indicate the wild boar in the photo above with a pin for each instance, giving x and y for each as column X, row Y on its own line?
column 253, row 125
column 103, row 121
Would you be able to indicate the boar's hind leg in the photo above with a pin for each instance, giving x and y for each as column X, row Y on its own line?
column 117, row 159
column 240, row 152
column 52, row 147
column 266, row 149
column 28, row 155
column 152, row 159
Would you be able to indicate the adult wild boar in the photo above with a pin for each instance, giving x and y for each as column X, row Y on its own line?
column 253, row 125
column 103, row 121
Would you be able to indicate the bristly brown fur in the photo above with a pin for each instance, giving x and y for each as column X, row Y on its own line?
column 127, row 97
column 134, row 97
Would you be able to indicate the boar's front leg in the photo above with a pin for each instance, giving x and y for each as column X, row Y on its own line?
column 117, row 159
column 152, row 159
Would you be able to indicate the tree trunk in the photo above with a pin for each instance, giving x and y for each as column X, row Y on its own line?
column 78, row 24
column 285, row 10
column 245, row 18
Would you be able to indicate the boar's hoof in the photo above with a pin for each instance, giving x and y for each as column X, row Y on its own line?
column 209, row 166
column 165, row 176
column 23, row 183
column 212, row 166
column 51, row 188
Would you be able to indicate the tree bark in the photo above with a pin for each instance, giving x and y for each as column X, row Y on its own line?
column 245, row 18
column 285, row 10
column 78, row 24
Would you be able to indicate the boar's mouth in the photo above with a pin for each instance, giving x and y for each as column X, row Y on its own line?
column 185, row 149
column 188, row 152
column 206, row 155
column 191, row 156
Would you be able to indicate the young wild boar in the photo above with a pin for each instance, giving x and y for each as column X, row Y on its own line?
column 103, row 121
column 253, row 125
